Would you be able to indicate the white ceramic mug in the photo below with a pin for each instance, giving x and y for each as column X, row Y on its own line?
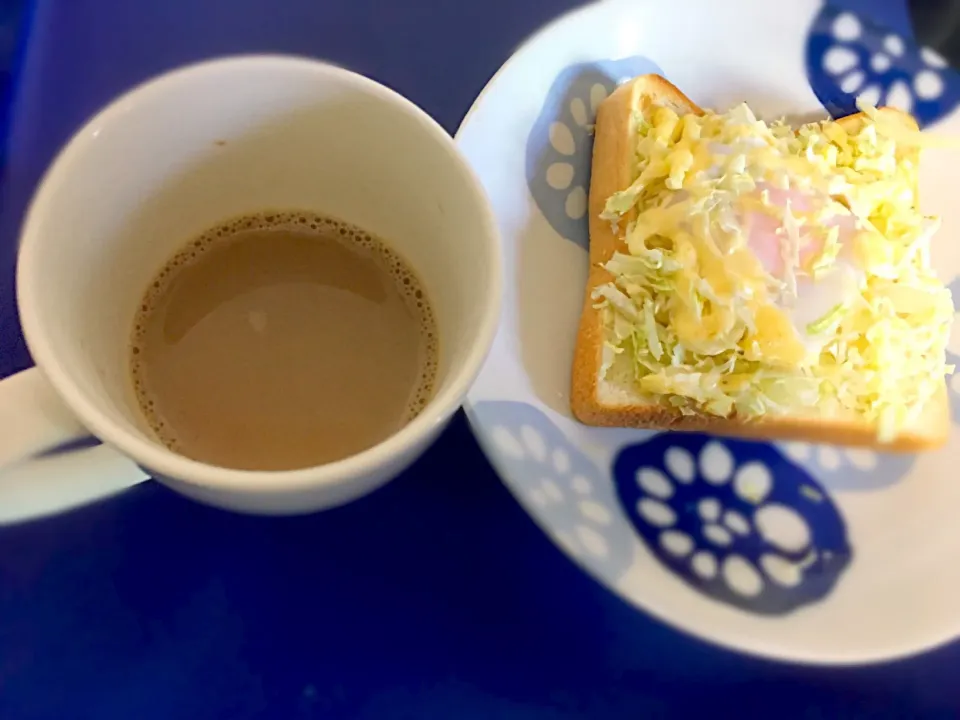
column 179, row 154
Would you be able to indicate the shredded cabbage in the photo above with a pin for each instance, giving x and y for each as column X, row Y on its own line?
column 768, row 271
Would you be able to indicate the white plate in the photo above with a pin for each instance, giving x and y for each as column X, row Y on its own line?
column 789, row 551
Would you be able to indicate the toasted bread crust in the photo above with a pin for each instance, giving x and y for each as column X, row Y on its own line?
column 612, row 171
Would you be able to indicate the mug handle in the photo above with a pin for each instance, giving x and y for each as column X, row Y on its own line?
column 48, row 461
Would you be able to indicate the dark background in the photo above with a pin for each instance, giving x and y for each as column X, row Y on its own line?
column 936, row 23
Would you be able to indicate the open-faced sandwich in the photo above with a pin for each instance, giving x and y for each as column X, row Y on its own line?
column 751, row 279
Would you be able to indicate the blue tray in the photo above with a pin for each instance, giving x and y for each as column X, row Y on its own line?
column 435, row 597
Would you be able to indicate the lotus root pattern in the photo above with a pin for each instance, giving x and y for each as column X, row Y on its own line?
column 735, row 520
column 560, row 484
column 849, row 468
column 560, row 144
column 850, row 56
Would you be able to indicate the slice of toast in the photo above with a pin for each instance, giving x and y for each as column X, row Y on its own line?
column 615, row 401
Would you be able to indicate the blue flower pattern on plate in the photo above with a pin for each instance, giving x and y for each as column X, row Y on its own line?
column 560, row 144
column 566, row 487
column 850, row 56
column 734, row 519
column 849, row 468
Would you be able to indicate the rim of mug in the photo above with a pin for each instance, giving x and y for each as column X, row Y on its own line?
column 153, row 456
